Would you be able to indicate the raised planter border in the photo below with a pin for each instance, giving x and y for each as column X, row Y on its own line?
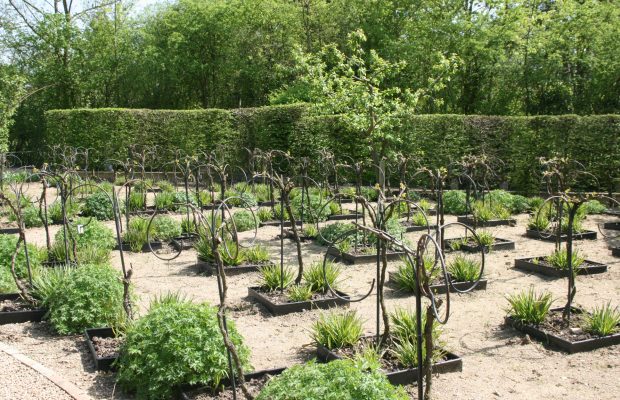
column 415, row 228
column 287, row 223
column 17, row 317
column 612, row 226
column 452, row 363
column 156, row 245
column 9, row 231
column 342, row 217
column 287, row 308
column 585, row 235
column 441, row 289
column 525, row 264
column 615, row 251
column 362, row 258
column 563, row 344
column 468, row 220
column 499, row 245
column 209, row 268
column 101, row 363
column 188, row 389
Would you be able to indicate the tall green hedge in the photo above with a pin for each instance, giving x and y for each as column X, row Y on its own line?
column 518, row 141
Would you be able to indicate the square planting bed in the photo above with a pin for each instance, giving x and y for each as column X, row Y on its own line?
column 472, row 247
column 277, row 223
column 360, row 258
column 469, row 220
column 184, row 242
column 105, row 341
column 405, row 376
column 260, row 377
column 277, row 307
column 542, row 267
column 9, row 231
column 571, row 343
column 615, row 251
column 409, row 227
column 210, row 269
column 440, row 288
column 340, row 217
column 20, row 314
column 552, row 236
column 145, row 248
column 614, row 226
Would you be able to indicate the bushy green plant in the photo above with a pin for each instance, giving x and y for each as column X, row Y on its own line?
column 31, row 217
column 299, row 293
column 165, row 201
column 54, row 211
column 137, row 200
column 405, row 277
column 370, row 193
column 464, row 269
column 315, row 209
column 454, row 202
column 271, row 276
column 485, row 238
column 240, row 199
column 520, row 204
column 559, row 259
column 165, row 186
column 257, row 254
column 603, row 320
column 165, row 228
column 177, row 342
column 485, row 211
column 418, row 219
column 95, row 234
column 7, row 248
column 311, row 231
column 181, row 200
column 529, row 307
column 231, row 253
column 264, row 214
column 404, row 323
column 244, row 220
column 336, row 380
column 136, row 233
column 98, row 205
column 332, row 232
column 534, row 203
column 317, row 280
column 335, row 330
column 594, row 207
column 89, row 296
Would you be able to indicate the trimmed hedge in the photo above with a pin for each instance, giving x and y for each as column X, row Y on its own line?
column 518, row 141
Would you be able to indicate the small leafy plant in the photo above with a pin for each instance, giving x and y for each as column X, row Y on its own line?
column 559, row 259
column 604, row 320
column 464, row 269
column 529, row 307
column 271, row 277
column 298, row 293
column 335, row 330
column 317, row 281
column 244, row 221
column 404, row 324
column 98, row 205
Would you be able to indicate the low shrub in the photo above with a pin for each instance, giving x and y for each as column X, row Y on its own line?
column 7, row 248
column 271, row 276
column 464, row 269
column 559, row 259
column 177, row 342
column 89, row 296
column 454, row 202
column 244, row 220
column 336, row 380
column 594, row 207
column 299, row 293
column 98, row 205
column 404, row 323
column 318, row 280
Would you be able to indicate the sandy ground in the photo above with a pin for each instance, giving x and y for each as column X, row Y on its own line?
column 497, row 362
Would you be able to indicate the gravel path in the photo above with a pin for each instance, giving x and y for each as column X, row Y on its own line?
column 17, row 381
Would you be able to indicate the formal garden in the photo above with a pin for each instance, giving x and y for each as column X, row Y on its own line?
column 318, row 208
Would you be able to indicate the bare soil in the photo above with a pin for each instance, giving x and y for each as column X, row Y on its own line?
column 14, row 305
column 498, row 361
column 107, row 347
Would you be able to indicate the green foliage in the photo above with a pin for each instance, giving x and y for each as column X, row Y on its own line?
column 257, row 254
column 298, row 293
column 165, row 186
column 244, row 220
column 165, row 228
column 335, row 330
column 529, row 307
column 54, row 211
column 405, row 277
column 604, row 320
column 485, row 238
column 335, row 231
column 404, row 325
column 464, row 269
column 271, row 276
column 315, row 208
column 177, row 342
column 559, row 259
column 165, row 200
column 89, row 296
column 240, row 199
column 136, row 233
column 454, row 202
column 7, row 249
column 317, row 280
column 485, row 211
column 98, row 205
column 594, row 207
column 418, row 219
column 95, row 234
column 137, row 200
column 336, row 380
column 264, row 214
column 31, row 217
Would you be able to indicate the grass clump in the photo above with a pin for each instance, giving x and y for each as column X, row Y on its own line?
column 464, row 269
column 317, row 280
column 559, row 259
column 298, row 293
column 271, row 276
column 335, row 330
column 530, row 307
column 405, row 341
column 604, row 320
